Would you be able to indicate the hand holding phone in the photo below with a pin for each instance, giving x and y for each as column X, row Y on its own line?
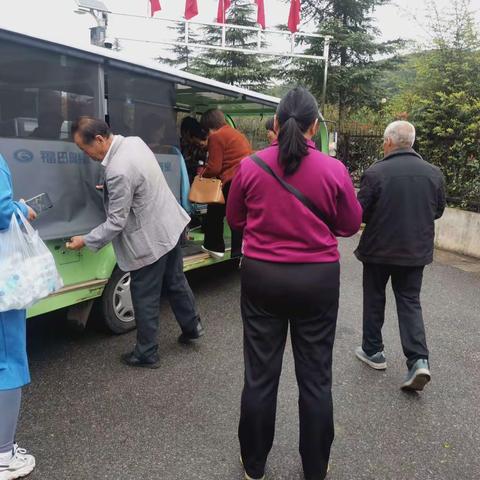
column 40, row 203
column 31, row 215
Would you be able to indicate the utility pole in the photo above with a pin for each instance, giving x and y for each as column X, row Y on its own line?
column 326, row 54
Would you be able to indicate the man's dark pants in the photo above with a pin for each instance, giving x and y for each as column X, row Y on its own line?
column 406, row 284
column 165, row 276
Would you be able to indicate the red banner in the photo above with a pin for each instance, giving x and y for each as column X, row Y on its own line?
column 191, row 9
column 154, row 7
column 261, row 13
column 223, row 6
column 294, row 17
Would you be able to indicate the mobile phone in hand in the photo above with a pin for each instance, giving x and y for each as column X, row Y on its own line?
column 40, row 203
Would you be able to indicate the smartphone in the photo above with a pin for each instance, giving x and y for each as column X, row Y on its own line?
column 40, row 203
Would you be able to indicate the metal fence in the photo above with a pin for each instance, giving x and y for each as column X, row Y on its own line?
column 254, row 129
column 358, row 150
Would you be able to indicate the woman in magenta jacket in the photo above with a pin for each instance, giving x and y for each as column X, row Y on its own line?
column 14, row 374
column 291, row 276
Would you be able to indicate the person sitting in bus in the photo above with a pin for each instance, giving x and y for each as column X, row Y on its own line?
column 14, row 373
column 193, row 144
column 270, row 127
column 49, row 125
column 291, row 201
column 227, row 147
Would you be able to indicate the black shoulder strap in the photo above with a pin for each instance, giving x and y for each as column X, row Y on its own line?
column 300, row 196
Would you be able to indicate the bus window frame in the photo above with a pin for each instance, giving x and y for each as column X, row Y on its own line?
column 98, row 85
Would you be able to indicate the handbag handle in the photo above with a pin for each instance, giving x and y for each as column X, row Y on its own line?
column 203, row 171
column 207, row 178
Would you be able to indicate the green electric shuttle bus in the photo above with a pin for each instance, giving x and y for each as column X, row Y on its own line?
column 44, row 86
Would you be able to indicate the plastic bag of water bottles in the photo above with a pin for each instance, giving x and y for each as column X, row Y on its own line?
column 27, row 268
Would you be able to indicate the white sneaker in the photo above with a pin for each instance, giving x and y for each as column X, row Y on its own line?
column 213, row 254
column 20, row 465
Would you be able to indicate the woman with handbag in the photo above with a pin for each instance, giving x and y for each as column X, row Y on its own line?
column 14, row 373
column 193, row 145
column 291, row 201
column 227, row 147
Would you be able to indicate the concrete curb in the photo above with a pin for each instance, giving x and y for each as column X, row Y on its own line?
column 458, row 231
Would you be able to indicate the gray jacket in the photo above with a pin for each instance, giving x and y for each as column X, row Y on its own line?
column 144, row 220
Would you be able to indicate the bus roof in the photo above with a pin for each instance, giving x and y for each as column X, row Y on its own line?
column 192, row 89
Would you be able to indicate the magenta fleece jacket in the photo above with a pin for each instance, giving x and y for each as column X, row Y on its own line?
column 277, row 227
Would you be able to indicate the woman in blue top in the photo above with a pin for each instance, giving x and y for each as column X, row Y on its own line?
column 14, row 374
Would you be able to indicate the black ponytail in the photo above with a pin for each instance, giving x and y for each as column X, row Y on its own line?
column 297, row 111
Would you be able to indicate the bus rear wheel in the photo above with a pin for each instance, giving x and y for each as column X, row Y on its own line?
column 117, row 307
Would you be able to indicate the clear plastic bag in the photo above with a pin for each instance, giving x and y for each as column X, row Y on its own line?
column 27, row 268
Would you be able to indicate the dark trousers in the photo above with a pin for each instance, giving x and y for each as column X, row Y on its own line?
column 406, row 284
column 274, row 296
column 214, row 228
column 165, row 276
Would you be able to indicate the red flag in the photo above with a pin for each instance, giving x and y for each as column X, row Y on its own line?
column 261, row 13
column 294, row 17
column 191, row 9
column 154, row 7
column 223, row 6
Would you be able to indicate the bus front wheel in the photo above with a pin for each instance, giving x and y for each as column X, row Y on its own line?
column 117, row 307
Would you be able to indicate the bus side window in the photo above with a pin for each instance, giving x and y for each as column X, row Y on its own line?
column 142, row 106
column 42, row 92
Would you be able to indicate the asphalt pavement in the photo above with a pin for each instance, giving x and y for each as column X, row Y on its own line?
column 87, row 416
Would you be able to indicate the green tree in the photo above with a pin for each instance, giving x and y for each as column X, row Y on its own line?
column 236, row 68
column 445, row 104
column 438, row 90
column 184, row 55
column 354, row 53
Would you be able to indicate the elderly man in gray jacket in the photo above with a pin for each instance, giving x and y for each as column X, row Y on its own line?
column 144, row 223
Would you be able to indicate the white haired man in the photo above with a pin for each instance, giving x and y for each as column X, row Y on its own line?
column 402, row 195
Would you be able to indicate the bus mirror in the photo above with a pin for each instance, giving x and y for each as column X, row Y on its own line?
column 332, row 144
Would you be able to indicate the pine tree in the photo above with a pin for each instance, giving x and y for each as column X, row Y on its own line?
column 183, row 55
column 235, row 68
column 354, row 51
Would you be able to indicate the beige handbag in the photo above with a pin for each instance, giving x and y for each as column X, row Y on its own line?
column 206, row 190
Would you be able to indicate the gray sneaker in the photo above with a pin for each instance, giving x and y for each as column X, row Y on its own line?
column 376, row 361
column 418, row 376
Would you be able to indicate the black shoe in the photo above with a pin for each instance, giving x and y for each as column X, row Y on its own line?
column 132, row 360
column 188, row 337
